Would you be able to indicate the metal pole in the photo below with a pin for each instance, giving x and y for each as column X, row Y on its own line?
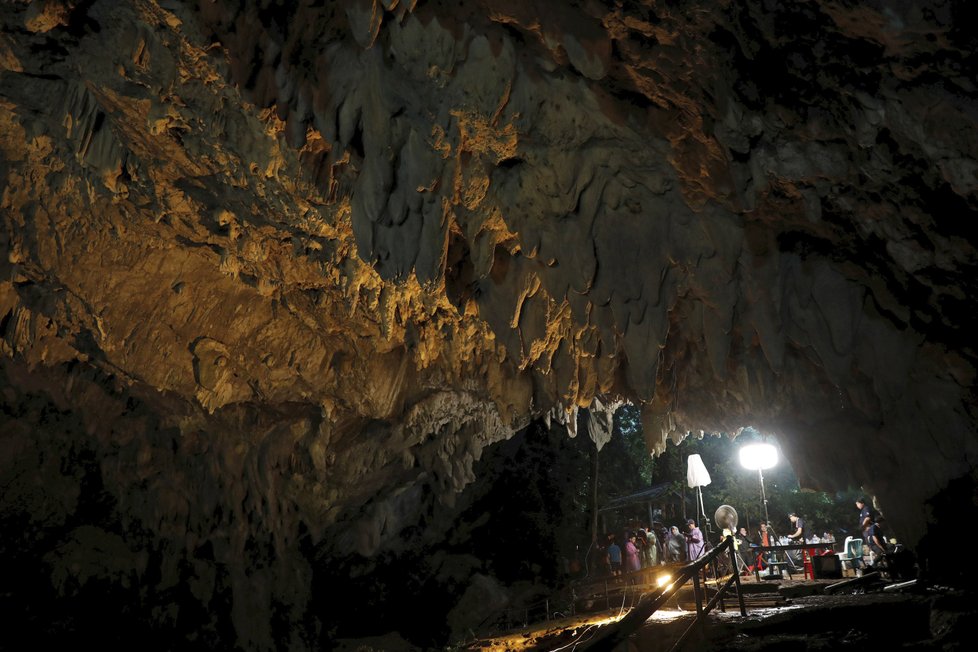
column 767, row 518
column 702, row 516
column 740, row 593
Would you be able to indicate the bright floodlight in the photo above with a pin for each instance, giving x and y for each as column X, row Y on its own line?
column 758, row 456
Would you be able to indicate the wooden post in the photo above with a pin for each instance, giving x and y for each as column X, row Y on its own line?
column 696, row 595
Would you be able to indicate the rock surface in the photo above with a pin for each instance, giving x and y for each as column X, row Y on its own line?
column 274, row 275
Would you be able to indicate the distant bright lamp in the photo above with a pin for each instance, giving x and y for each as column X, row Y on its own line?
column 756, row 457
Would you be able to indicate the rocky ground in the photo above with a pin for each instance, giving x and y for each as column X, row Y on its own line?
column 920, row 618
column 933, row 619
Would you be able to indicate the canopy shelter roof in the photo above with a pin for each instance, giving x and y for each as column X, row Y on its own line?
column 655, row 492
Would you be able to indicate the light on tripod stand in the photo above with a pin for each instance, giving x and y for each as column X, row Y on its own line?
column 697, row 476
column 759, row 457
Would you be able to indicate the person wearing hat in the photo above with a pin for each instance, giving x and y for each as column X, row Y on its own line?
column 695, row 546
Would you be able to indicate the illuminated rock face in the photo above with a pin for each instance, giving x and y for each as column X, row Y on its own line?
column 276, row 278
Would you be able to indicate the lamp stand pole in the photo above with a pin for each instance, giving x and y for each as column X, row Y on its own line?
column 702, row 517
column 760, row 474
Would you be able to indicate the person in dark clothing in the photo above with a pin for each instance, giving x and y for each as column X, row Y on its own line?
column 799, row 535
column 877, row 539
column 866, row 518
column 744, row 543
column 614, row 557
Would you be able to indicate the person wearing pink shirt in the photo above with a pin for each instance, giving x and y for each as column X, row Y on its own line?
column 632, row 562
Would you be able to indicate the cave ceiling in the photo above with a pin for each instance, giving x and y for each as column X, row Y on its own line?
column 293, row 266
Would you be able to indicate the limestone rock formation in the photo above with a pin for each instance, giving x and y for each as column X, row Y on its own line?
column 275, row 274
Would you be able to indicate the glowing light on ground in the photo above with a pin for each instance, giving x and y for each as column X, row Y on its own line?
column 668, row 615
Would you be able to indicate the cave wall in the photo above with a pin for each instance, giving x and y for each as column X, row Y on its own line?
column 280, row 272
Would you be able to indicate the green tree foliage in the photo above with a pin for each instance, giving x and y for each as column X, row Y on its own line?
column 532, row 513
column 532, row 508
column 628, row 462
column 733, row 485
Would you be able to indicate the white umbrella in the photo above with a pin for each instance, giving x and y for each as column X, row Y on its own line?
column 697, row 476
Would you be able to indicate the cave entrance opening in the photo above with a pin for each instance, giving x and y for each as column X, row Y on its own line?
column 734, row 484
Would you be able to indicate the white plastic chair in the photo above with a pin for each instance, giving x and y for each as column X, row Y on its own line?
column 852, row 552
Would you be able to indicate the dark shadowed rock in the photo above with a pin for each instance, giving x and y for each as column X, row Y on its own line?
column 273, row 276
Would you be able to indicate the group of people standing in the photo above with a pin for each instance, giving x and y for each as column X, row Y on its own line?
column 684, row 546
column 870, row 527
column 638, row 547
